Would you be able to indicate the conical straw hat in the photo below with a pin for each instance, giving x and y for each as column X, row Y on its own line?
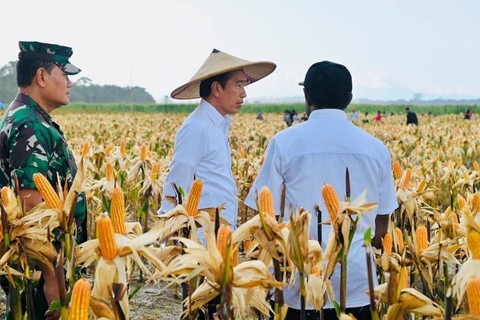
column 220, row 62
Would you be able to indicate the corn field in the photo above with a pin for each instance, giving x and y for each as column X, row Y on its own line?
column 427, row 268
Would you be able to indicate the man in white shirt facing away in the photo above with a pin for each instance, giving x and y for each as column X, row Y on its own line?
column 306, row 156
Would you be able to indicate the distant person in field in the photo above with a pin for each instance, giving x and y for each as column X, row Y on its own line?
column 259, row 116
column 323, row 147
column 287, row 117
column 31, row 142
column 378, row 117
column 354, row 117
column 411, row 117
column 469, row 115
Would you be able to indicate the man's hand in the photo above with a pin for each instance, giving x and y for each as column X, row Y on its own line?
column 31, row 197
column 381, row 227
column 50, row 289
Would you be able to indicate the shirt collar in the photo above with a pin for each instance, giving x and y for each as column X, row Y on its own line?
column 327, row 113
column 25, row 99
column 214, row 115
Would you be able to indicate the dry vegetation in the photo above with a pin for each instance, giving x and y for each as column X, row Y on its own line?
column 436, row 174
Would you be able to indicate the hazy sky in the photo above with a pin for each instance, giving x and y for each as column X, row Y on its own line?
column 394, row 49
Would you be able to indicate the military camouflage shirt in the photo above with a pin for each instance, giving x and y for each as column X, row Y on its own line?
column 30, row 142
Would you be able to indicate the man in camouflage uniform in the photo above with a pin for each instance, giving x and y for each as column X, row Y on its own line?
column 30, row 141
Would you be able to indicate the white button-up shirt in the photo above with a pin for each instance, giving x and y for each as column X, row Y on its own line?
column 318, row 151
column 202, row 151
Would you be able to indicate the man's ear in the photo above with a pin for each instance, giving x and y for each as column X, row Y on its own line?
column 40, row 77
column 308, row 101
column 215, row 86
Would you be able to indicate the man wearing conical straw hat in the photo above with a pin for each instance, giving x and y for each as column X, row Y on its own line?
column 202, row 147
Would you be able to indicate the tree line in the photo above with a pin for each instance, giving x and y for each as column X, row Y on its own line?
column 84, row 90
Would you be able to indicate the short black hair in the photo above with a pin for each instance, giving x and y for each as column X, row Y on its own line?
column 328, row 85
column 26, row 70
column 206, row 85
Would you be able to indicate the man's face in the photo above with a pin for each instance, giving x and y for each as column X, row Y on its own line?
column 57, row 88
column 231, row 96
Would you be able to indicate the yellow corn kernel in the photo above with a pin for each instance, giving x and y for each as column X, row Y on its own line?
column 223, row 234
column 399, row 238
column 406, row 177
column 387, row 243
column 473, row 296
column 117, row 211
column 403, row 276
column 106, row 238
column 47, row 192
column 144, row 153
column 80, row 301
column 4, row 196
column 155, row 171
column 397, row 170
column 331, row 200
column 473, row 242
column 123, row 148
column 194, row 197
column 476, row 201
column 109, row 172
column 85, row 149
column 422, row 238
column 265, row 202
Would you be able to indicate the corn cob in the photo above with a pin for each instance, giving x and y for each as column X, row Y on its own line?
column 4, row 193
column 194, row 197
column 85, row 149
column 144, row 153
column 397, row 170
column 387, row 243
column 399, row 238
column 266, row 202
column 403, row 278
column 476, row 166
column 108, row 150
column 422, row 185
column 461, row 202
column 453, row 217
column 473, row 242
column 473, row 296
column 223, row 234
column 476, row 201
column 109, row 172
column 422, row 239
column 123, row 148
column 331, row 200
column 106, row 239
column 117, row 211
column 407, row 175
column 80, row 300
column 155, row 171
column 47, row 192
